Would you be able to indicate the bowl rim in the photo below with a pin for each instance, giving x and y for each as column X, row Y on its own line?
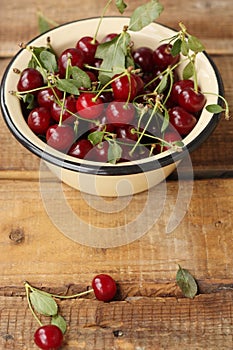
column 134, row 167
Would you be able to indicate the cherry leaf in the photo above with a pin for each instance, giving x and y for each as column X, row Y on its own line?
column 214, row 108
column 165, row 121
column 188, row 71
column 163, row 84
column 184, row 48
column 48, row 60
column 96, row 137
column 59, row 321
column 121, row 5
column 114, row 152
column 194, row 44
column 83, row 79
column 144, row 15
column 186, row 282
column 69, row 85
column 43, row 24
column 113, row 54
column 176, row 47
column 43, row 303
column 29, row 99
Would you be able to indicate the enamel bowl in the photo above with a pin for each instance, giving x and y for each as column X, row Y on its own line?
column 105, row 179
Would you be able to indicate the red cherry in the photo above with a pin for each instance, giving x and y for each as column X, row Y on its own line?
column 87, row 107
column 179, row 86
column 39, row 120
column 182, row 120
column 143, row 57
column 30, row 79
column 60, row 137
column 119, row 113
column 99, row 152
column 104, row 287
column 170, row 137
column 140, row 83
column 48, row 337
column 68, row 109
column 191, row 100
column 80, row 149
column 109, row 37
column 75, row 56
column 126, row 132
column 163, row 58
column 46, row 97
column 124, row 87
column 88, row 46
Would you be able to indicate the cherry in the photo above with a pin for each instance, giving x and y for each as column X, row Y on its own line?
column 39, row 120
column 182, row 120
column 170, row 137
column 48, row 337
column 47, row 96
column 99, row 153
column 119, row 113
column 60, row 137
column 178, row 86
column 109, row 37
column 191, row 100
column 80, row 148
column 68, row 108
column 124, row 87
column 75, row 56
column 102, row 125
column 143, row 57
column 30, row 79
column 126, row 132
column 88, row 106
column 163, row 58
column 88, row 46
column 140, row 83
column 104, row 287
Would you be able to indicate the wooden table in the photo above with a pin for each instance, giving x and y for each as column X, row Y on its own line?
column 150, row 312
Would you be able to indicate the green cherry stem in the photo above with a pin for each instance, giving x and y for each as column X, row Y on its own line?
column 28, row 288
column 100, row 21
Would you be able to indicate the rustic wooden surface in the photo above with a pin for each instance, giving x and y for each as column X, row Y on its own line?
column 149, row 312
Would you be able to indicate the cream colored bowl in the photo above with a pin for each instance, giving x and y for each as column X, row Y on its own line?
column 101, row 178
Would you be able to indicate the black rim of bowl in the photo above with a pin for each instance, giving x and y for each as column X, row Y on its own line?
column 100, row 168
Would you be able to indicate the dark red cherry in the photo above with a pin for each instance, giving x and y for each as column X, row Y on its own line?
column 140, row 84
column 191, row 100
column 163, row 58
column 182, row 120
column 99, row 152
column 126, row 132
column 47, row 96
column 179, row 86
column 104, row 287
column 30, row 79
column 88, row 106
column 119, row 113
column 103, row 125
column 48, row 337
column 88, row 46
column 170, row 137
column 68, row 110
column 60, row 137
column 143, row 57
column 39, row 120
column 124, row 87
column 80, row 149
column 74, row 55
column 109, row 37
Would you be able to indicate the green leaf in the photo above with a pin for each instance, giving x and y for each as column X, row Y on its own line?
column 176, row 47
column 184, row 48
column 43, row 303
column 144, row 15
column 186, row 282
column 165, row 121
column 214, row 108
column 121, row 5
column 194, row 44
column 68, row 85
column 49, row 61
column 59, row 321
column 82, row 77
column 96, row 137
column 114, row 152
column 43, row 24
column 113, row 54
column 29, row 99
column 188, row 71
column 163, row 84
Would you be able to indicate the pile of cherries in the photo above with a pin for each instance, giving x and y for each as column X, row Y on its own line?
column 66, row 122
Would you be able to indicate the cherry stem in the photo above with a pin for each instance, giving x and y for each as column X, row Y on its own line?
column 28, row 288
column 100, row 21
column 227, row 110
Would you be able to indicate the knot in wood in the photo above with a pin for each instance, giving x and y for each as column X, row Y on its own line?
column 17, row 235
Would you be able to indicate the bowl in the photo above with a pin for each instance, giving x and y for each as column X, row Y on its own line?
column 97, row 178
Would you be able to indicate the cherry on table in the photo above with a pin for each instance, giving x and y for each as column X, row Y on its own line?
column 48, row 337
column 30, row 79
column 104, row 287
column 39, row 120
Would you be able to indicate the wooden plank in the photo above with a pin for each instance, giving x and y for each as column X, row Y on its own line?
column 24, row 16
column 45, row 256
column 144, row 323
